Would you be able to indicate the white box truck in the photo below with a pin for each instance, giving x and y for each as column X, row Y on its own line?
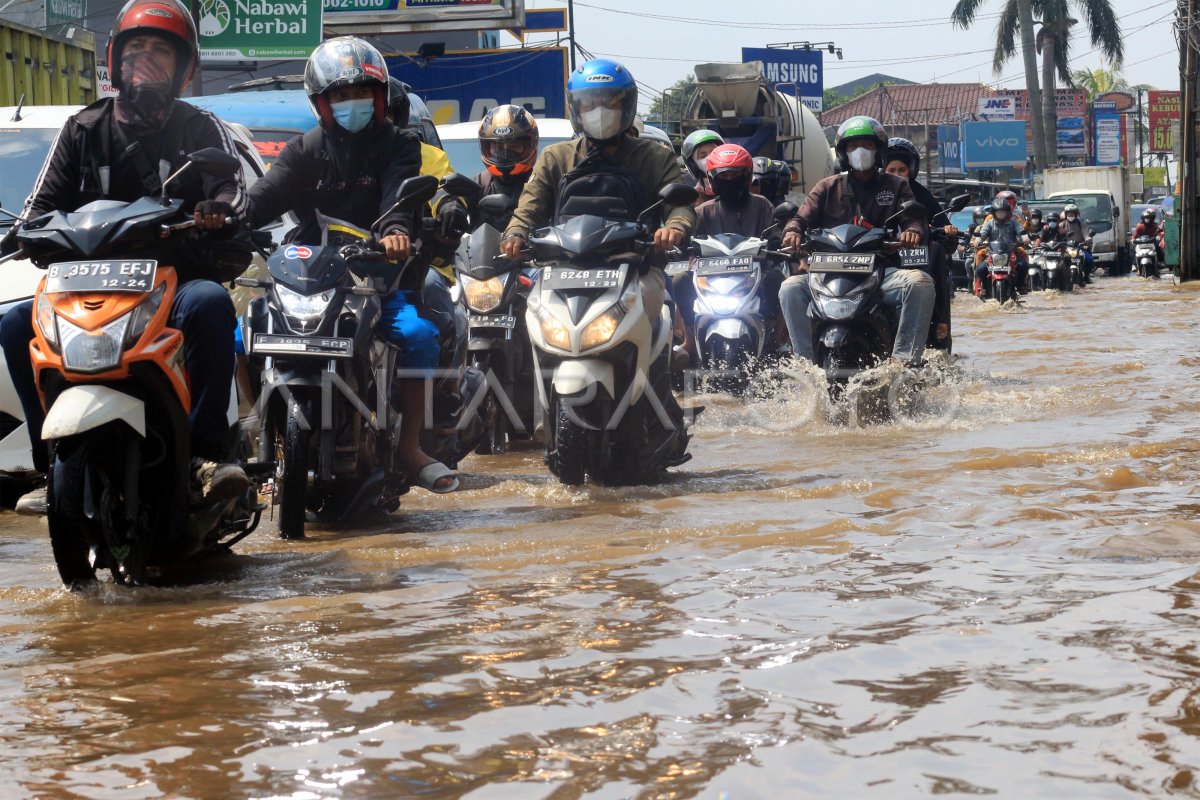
column 1103, row 197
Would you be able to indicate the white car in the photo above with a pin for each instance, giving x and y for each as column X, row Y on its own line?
column 460, row 140
column 25, row 140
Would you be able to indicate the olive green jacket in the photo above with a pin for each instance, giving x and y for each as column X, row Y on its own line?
column 649, row 160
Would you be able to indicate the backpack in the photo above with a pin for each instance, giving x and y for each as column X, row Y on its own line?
column 601, row 187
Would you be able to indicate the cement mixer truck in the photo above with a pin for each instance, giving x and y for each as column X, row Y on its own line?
column 737, row 102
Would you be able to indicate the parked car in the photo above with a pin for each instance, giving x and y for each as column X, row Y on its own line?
column 25, row 141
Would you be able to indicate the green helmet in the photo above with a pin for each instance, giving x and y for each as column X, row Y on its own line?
column 854, row 128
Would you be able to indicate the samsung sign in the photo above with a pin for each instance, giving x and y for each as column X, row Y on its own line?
column 987, row 145
column 794, row 72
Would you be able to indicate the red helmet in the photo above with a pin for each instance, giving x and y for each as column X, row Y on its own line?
column 1008, row 197
column 168, row 18
column 729, row 158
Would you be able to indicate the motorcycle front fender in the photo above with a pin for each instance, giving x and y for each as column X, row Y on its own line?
column 85, row 408
column 729, row 328
column 573, row 376
column 835, row 336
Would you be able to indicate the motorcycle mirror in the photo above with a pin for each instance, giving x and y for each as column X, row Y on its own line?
column 678, row 194
column 497, row 205
column 784, row 211
column 960, row 202
column 416, row 191
column 911, row 209
column 460, row 185
column 215, row 161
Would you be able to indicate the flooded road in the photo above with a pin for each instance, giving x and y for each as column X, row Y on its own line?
column 1001, row 603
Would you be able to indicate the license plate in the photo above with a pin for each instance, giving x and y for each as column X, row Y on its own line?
column 507, row 321
column 914, row 257
column 101, row 276
column 676, row 268
column 840, row 262
column 714, row 265
column 272, row 344
column 564, row 278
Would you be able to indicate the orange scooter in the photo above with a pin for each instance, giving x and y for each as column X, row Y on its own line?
column 112, row 378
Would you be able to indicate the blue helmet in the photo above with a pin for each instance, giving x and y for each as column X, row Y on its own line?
column 602, row 99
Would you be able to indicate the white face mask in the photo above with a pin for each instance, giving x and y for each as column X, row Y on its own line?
column 601, row 123
column 861, row 159
column 702, row 163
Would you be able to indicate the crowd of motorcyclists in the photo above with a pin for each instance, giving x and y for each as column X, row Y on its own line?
column 352, row 166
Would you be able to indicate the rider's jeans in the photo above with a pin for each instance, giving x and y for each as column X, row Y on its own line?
column 910, row 289
column 204, row 312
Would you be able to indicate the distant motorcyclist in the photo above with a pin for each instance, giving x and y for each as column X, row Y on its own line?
column 601, row 170
column 694, row 151
column 1077, row 232
column 152, row 54
column 736, row 211
column 904, row 161
column 862, row 195
column 1035, row 224
column 1149, row 227
column 772, row 179
column 508, row 145
column 350, row 167
column 1003, row 228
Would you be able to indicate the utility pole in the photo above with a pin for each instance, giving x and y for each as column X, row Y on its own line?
column 571, row 29
column 1189, row 234
column 1140, row 146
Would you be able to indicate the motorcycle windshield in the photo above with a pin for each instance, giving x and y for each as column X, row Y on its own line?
column 100, row 227
column 307, row 269
column 476, row 253
column 587, row 234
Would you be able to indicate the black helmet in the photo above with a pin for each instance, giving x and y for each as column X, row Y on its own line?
column 1037, row 212
column 999, row 205
column 899, row 149
column 398, row 104
column 345, row 61
column 1052, row 218
column 977, row 214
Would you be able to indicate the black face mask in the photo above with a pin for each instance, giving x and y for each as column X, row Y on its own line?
column 734, row 193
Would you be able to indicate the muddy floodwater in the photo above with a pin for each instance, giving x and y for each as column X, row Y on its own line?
column 998, row 599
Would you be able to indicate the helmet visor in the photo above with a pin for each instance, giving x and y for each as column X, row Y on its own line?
column 503, row 152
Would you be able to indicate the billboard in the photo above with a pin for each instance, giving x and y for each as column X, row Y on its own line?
column 1108, row 139
column 950, row 154
column 459, row 87
column 987, row 145
column 997, row 108
column 235, row 30
column 1071, row 137
column 795, row 72
column 414, row 16
column 1163, row 108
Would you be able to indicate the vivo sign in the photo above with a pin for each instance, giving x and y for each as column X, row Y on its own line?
column 988, row 145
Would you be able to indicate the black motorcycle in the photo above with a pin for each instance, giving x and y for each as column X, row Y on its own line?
column 495, row 291
column 324, row 409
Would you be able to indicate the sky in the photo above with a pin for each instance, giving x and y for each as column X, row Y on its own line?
column 875, row 36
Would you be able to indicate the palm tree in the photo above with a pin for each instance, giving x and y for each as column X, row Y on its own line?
column 1054, row 43
column 1102, row 81
column 1015, row 16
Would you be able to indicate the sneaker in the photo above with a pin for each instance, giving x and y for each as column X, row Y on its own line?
column 213, row 480
column 33, row 504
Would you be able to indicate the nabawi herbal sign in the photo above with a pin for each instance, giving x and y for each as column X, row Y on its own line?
column 259, row 29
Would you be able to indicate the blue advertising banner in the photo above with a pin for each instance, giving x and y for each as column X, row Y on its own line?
column 459, row 87
column 987, row 145
column 1108, row 139
column 795, row 72
column 950, row 152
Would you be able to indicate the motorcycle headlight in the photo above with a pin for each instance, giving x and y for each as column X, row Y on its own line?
column 483, row 296
column 45, row 319
column 553, row 331
column 839, row 307
column 93, row 351
column 738, row 286
column 722, row 303
column 999, row 260
column 306, row 307
column 602, row 329
column 142, row 315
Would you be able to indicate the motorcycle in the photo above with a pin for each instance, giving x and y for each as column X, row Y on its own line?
column 852, row 328
column 602, row 365
column 1056, row 273
column 111, row 373
column 727, row 271
column 1145, row 253
column 495, row 292
column 1075, row 259
column 1002, row 266
column 1035, row 279
column 325, row 417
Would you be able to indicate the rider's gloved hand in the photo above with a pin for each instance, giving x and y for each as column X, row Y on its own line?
column 210, row 215
column 452, row 218
column 9, row 243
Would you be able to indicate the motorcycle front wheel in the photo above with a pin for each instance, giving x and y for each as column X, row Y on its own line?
column 291, row 473
column 66, row 519
column 568, row 453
